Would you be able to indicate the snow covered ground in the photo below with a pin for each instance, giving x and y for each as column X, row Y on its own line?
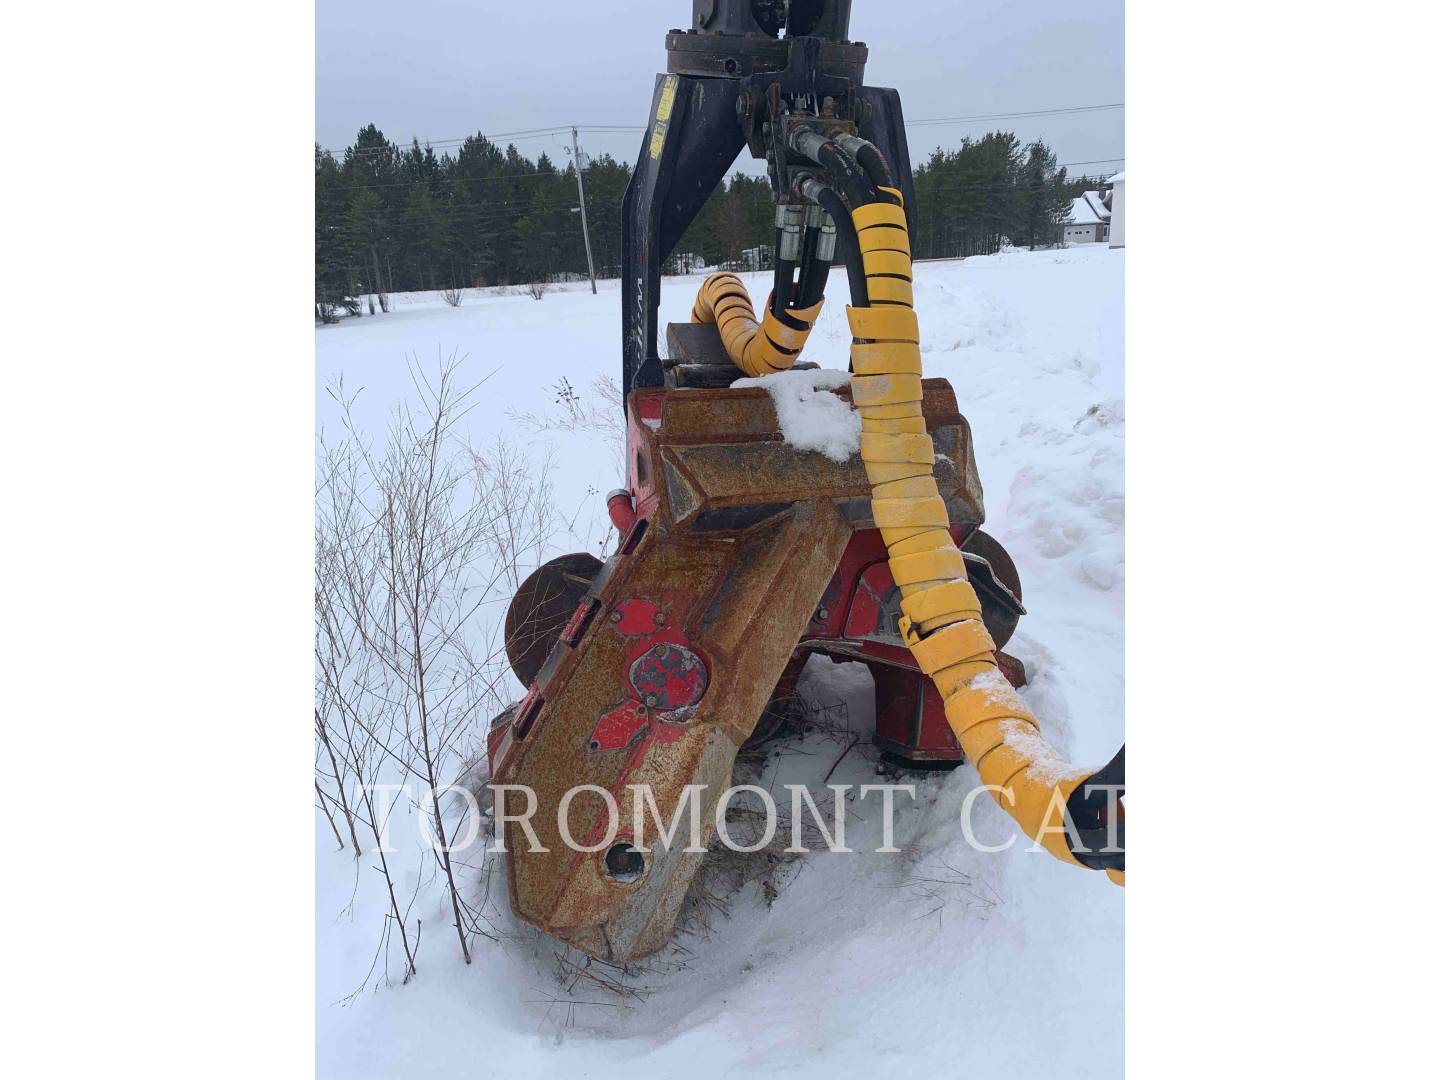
column 942, row 960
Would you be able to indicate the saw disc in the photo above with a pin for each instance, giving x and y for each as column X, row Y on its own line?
column 542, row 606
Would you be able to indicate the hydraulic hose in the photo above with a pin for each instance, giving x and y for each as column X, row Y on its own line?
column 848, row 177
column 941, row 619
column 868, row 156
column 816, row 256
column 846, row 239
column 757, row 348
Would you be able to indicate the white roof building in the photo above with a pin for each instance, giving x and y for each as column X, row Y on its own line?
column 1098, row 205
column 1117, row 210
column 1089, row 219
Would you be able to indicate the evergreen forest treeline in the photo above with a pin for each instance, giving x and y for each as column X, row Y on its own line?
column 391, row 219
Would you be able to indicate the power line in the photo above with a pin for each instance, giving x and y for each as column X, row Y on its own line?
column 986, row 118
column 533, row 133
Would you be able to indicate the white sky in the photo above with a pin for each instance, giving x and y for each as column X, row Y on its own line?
column 444, row 69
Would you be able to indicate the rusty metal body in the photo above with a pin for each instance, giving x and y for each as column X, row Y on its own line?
column 743, row 555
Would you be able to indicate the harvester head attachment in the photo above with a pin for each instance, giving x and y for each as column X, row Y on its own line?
column 672, row 651
column 739, row 554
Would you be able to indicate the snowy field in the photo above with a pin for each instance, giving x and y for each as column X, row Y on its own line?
column 941, row 961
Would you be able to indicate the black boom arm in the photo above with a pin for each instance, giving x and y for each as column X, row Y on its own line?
column 743, row 65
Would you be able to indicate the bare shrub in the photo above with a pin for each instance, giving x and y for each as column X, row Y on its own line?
column 601, row 413
column 452, row 296
column 537, row 289
column 412, row 542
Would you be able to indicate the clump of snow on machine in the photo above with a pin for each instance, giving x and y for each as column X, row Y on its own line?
column 811, row 417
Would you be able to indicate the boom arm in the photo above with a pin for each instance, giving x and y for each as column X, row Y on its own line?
column 729, row 79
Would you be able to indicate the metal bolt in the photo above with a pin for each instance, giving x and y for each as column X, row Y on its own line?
column 651, row 700
column 615, row 616
column 659, row 618
column 822, row 614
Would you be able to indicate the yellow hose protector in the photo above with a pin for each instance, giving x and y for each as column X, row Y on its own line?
column 941, row 621
column 757, row 348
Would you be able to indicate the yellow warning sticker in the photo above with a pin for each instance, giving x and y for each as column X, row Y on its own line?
column 662, row 115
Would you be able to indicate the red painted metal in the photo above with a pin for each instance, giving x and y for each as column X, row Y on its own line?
column 576, row 626
column 637, row 617
column 622, row 511
column 618, row 726
column 526, row 713
column 646, row 407
column 669, row 677
column 910, row 717
column 858, row 620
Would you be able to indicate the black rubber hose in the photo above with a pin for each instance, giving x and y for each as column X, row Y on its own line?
column 851, row 181
column 784, row 284
column 847, row 244
column 870, row 159
column 812, row 281
column 815, row 283
column 807, row 264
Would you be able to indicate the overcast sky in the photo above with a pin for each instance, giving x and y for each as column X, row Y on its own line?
column 444, row 69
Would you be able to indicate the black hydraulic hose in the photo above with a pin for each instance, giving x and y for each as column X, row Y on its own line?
column 872, row 161
column 814, row 270
column 853, row 183
column 807, row 263
column 784, row 281
column 814, row 286
column 847, row 242
column 858, row 191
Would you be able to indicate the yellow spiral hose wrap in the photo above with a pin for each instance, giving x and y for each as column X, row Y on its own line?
column 757, row 348
column 941, row 612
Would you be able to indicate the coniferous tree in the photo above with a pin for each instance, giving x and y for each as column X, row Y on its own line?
column 424, row 238
column 333, row 277
column 366, row 236
column 1044, row 200
column 473, row 177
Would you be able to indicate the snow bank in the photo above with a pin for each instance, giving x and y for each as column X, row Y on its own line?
column 812, row 418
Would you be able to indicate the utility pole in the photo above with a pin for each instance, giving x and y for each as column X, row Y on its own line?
column 584, row 222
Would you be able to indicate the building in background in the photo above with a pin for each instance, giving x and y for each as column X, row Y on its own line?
column 1117, row 210
column 1089, row 220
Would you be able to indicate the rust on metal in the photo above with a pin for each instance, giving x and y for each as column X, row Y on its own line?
column 744, row 550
